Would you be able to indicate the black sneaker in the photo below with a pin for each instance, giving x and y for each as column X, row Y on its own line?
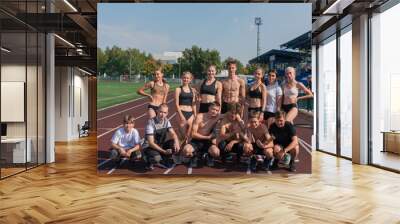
column 193, row 162
column 275, row 164
column 209, row 159
column 292, row 166
column 253, row 164
column 266, row 165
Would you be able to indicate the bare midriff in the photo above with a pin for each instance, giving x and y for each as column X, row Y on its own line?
column 290, row 100
column 206, row 98
column 186, row 108
column 254, row 102
column 158, row 93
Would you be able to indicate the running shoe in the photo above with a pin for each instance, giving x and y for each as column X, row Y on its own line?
column 285, row 161
column 209, row 159
column 253, row 164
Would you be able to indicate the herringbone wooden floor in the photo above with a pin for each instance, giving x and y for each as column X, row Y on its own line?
column 70, row 191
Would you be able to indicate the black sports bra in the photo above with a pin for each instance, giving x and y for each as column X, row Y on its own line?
column 186, row 98
column 208, row 89
column 256, row 93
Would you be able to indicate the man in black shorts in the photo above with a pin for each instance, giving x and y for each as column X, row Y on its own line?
column 203, row 137
column 285, row 139
column 157, row 149
column 232, row 133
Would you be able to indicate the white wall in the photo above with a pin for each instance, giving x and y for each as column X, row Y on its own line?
column 71, row 93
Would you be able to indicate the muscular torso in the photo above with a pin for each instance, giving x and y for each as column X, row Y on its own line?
column 232, row 127
column 231, row 90
column 206, row 124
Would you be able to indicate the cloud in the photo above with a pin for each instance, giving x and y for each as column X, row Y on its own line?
column 128, row 37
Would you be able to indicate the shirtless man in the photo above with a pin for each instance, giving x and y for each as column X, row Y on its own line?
column 232, row 133
column 233, row 89
column 158, row 92
column 259, row 142
column 204, row 137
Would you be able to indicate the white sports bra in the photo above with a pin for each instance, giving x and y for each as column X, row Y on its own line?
column 290, row 92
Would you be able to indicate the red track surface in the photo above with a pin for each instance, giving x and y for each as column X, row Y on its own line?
column 110, row 119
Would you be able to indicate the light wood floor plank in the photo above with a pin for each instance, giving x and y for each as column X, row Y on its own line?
column 70, row 191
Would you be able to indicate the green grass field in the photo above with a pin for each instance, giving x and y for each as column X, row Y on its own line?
column 114, row 92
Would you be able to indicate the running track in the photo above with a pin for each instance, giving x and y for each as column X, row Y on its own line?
column 109, row 119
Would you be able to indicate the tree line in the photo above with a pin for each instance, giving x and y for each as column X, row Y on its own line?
column 115, row 61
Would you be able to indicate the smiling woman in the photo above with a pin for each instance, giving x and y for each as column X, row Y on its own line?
column 185, row 132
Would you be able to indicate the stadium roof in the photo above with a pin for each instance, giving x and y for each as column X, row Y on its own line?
column 279, row 56
column 301, row 42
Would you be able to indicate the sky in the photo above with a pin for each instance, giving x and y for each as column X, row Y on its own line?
column 227, row 27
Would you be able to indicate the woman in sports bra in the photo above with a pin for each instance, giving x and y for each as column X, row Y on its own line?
column 257, row 94
column 210, row 90
column 158, row 92
column 185, row 101
column 290, row 94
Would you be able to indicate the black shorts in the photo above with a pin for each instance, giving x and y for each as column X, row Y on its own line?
column 257, row 150
column 268, row 115
column 200, row 146
column 237, row 148
column 203, row 108
column 154, row 107
column 288, row 107
column 224, row 107
column 187, row 114
column 254, row 109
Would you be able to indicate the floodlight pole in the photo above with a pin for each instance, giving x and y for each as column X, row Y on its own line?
column 258, row 23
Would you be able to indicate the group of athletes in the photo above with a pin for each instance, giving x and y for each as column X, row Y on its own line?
column 217, row 131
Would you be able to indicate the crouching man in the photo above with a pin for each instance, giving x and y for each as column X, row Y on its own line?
column 157, row 148
column 232, row 134
column 259, row 143
column 125, row 142
column 203, row 143
column 286, row 147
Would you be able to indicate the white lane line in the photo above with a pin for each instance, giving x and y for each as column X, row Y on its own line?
column 113, row 97
column 306, row 143
column 170, row 169
column 99, row 136
column 122, row 111
column 190, row 170
column 304, row 146
column 105, row 108
column 115, row 167
column 102, row 163
column 137, row 118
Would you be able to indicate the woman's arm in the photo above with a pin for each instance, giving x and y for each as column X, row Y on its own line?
column 308, row 92
column 166, row 93
column 141, row 91
column 219, row 92
column 264, row 93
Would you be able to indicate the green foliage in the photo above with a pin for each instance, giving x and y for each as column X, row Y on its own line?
column 240, row 69
column 196, row 60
